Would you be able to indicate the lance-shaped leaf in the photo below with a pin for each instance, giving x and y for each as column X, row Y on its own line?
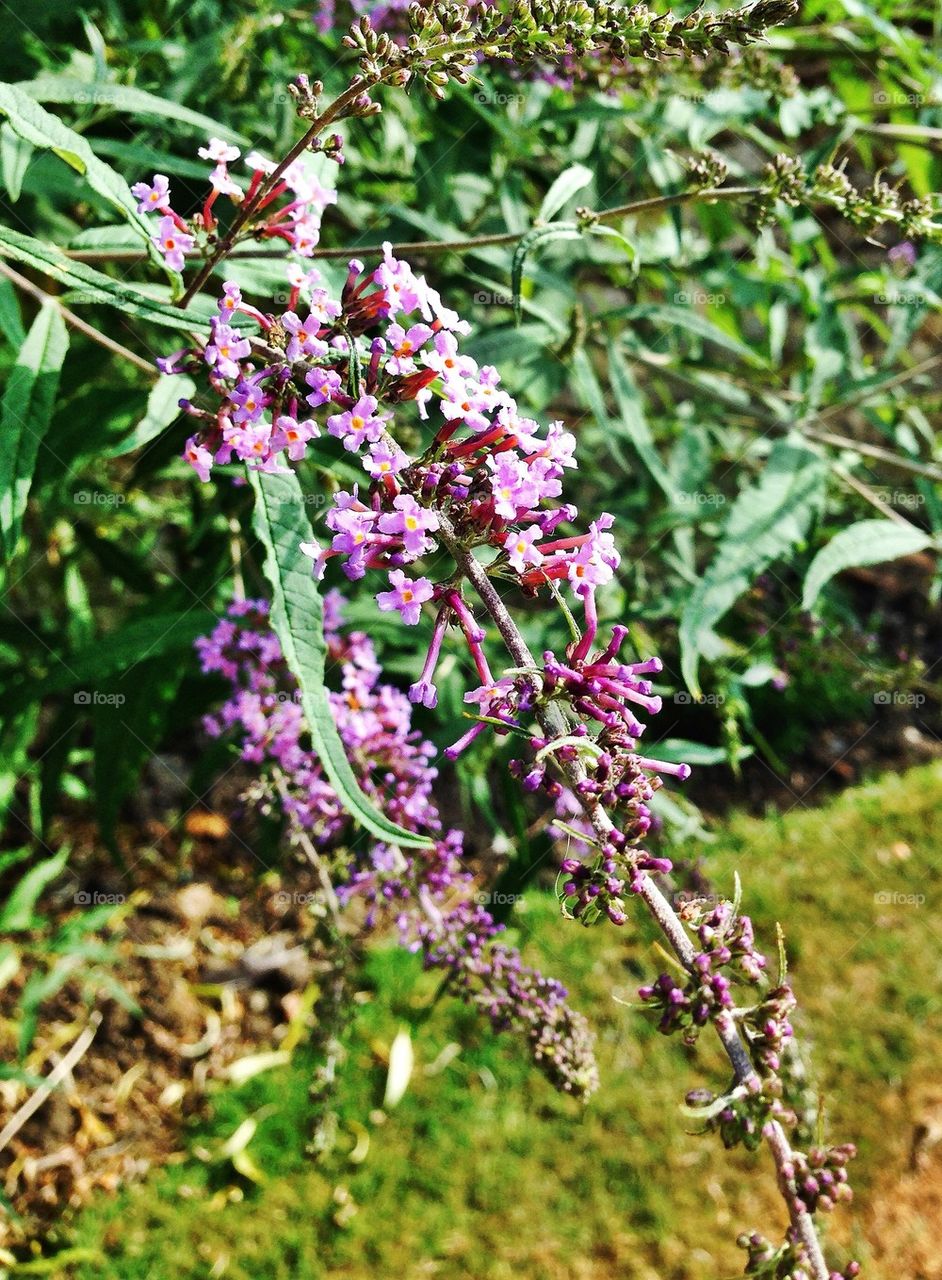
column 767, row 519
column 41, row 129
column 25, row 414
column 539, row 235
column 93, row 286
column 104, row 94
column 281, row 524
column 867, row 542
column 163, row 409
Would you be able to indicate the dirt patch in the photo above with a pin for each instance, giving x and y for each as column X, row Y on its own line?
column 182, row 987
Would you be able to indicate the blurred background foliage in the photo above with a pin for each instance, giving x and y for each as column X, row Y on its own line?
column 740, row 395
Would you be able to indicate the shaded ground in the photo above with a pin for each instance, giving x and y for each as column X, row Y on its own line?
column 483, row 1173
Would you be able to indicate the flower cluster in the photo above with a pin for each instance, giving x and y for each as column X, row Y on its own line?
column 296, row 204
column 727, row 942
column 425, row 891
column 787, row 1262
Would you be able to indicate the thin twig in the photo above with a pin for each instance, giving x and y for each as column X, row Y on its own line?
column 75, row 321
column 553, row 723
column 55, row 1077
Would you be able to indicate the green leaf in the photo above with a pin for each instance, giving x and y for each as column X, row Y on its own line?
column 867, row 542
column 163, row 409
column 152, row 631
column 767, row 519
column 281, row 524
column 95, row 287
column 17, row 913
column 25, row 414
column 45, row 131
column 129, row 722
column 11, row 322
column 15, row 155
column 632, row 421
column 121, row 97
column 563, row 189
column 539, row 235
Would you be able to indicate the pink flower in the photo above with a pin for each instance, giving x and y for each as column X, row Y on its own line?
column 220, row 181
column 405, row 346
column 291, row 435
column 512, row 485
column 317, row 554
column 384, row 460
column 304, row 340
column 407, row 596
column 323, row 307
column 326, row 384
column 218, row 151
column 490, row 694
column 199, row 458
column 231, row 299
column 155, row 198
column 249, row 402
column 172, row 243
column 410, row 522
column 521, row 549
column 225, row 351
column 446, row 360
column 404, row 291
column 357, row 425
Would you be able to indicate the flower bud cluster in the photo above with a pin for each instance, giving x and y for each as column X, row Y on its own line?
column 727, row 943
column 787, row 1262
column 423, row 892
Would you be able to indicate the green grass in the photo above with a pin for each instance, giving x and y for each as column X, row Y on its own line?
column 483, row 1173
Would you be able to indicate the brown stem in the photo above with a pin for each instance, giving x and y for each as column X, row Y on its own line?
column 552, row 721
column 75, row 321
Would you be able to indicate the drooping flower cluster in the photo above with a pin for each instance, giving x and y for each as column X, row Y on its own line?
column 488, row 478
column 425, row 891
column 295, row 206
column 484, row 493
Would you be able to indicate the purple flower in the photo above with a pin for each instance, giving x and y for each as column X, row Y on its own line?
column 407, row 596
column 326, row 383
column 384, row 460
column 512, row 485
column 410, row 522
column 357, row 425
column 218, row 151
column 225, row 350
column 291, row 435
column 173, row 243
column 154, row 198
column 304, row 340
column 199, row 458
column 521, row 547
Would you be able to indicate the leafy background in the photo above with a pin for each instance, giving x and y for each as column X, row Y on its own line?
column 758, row 407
